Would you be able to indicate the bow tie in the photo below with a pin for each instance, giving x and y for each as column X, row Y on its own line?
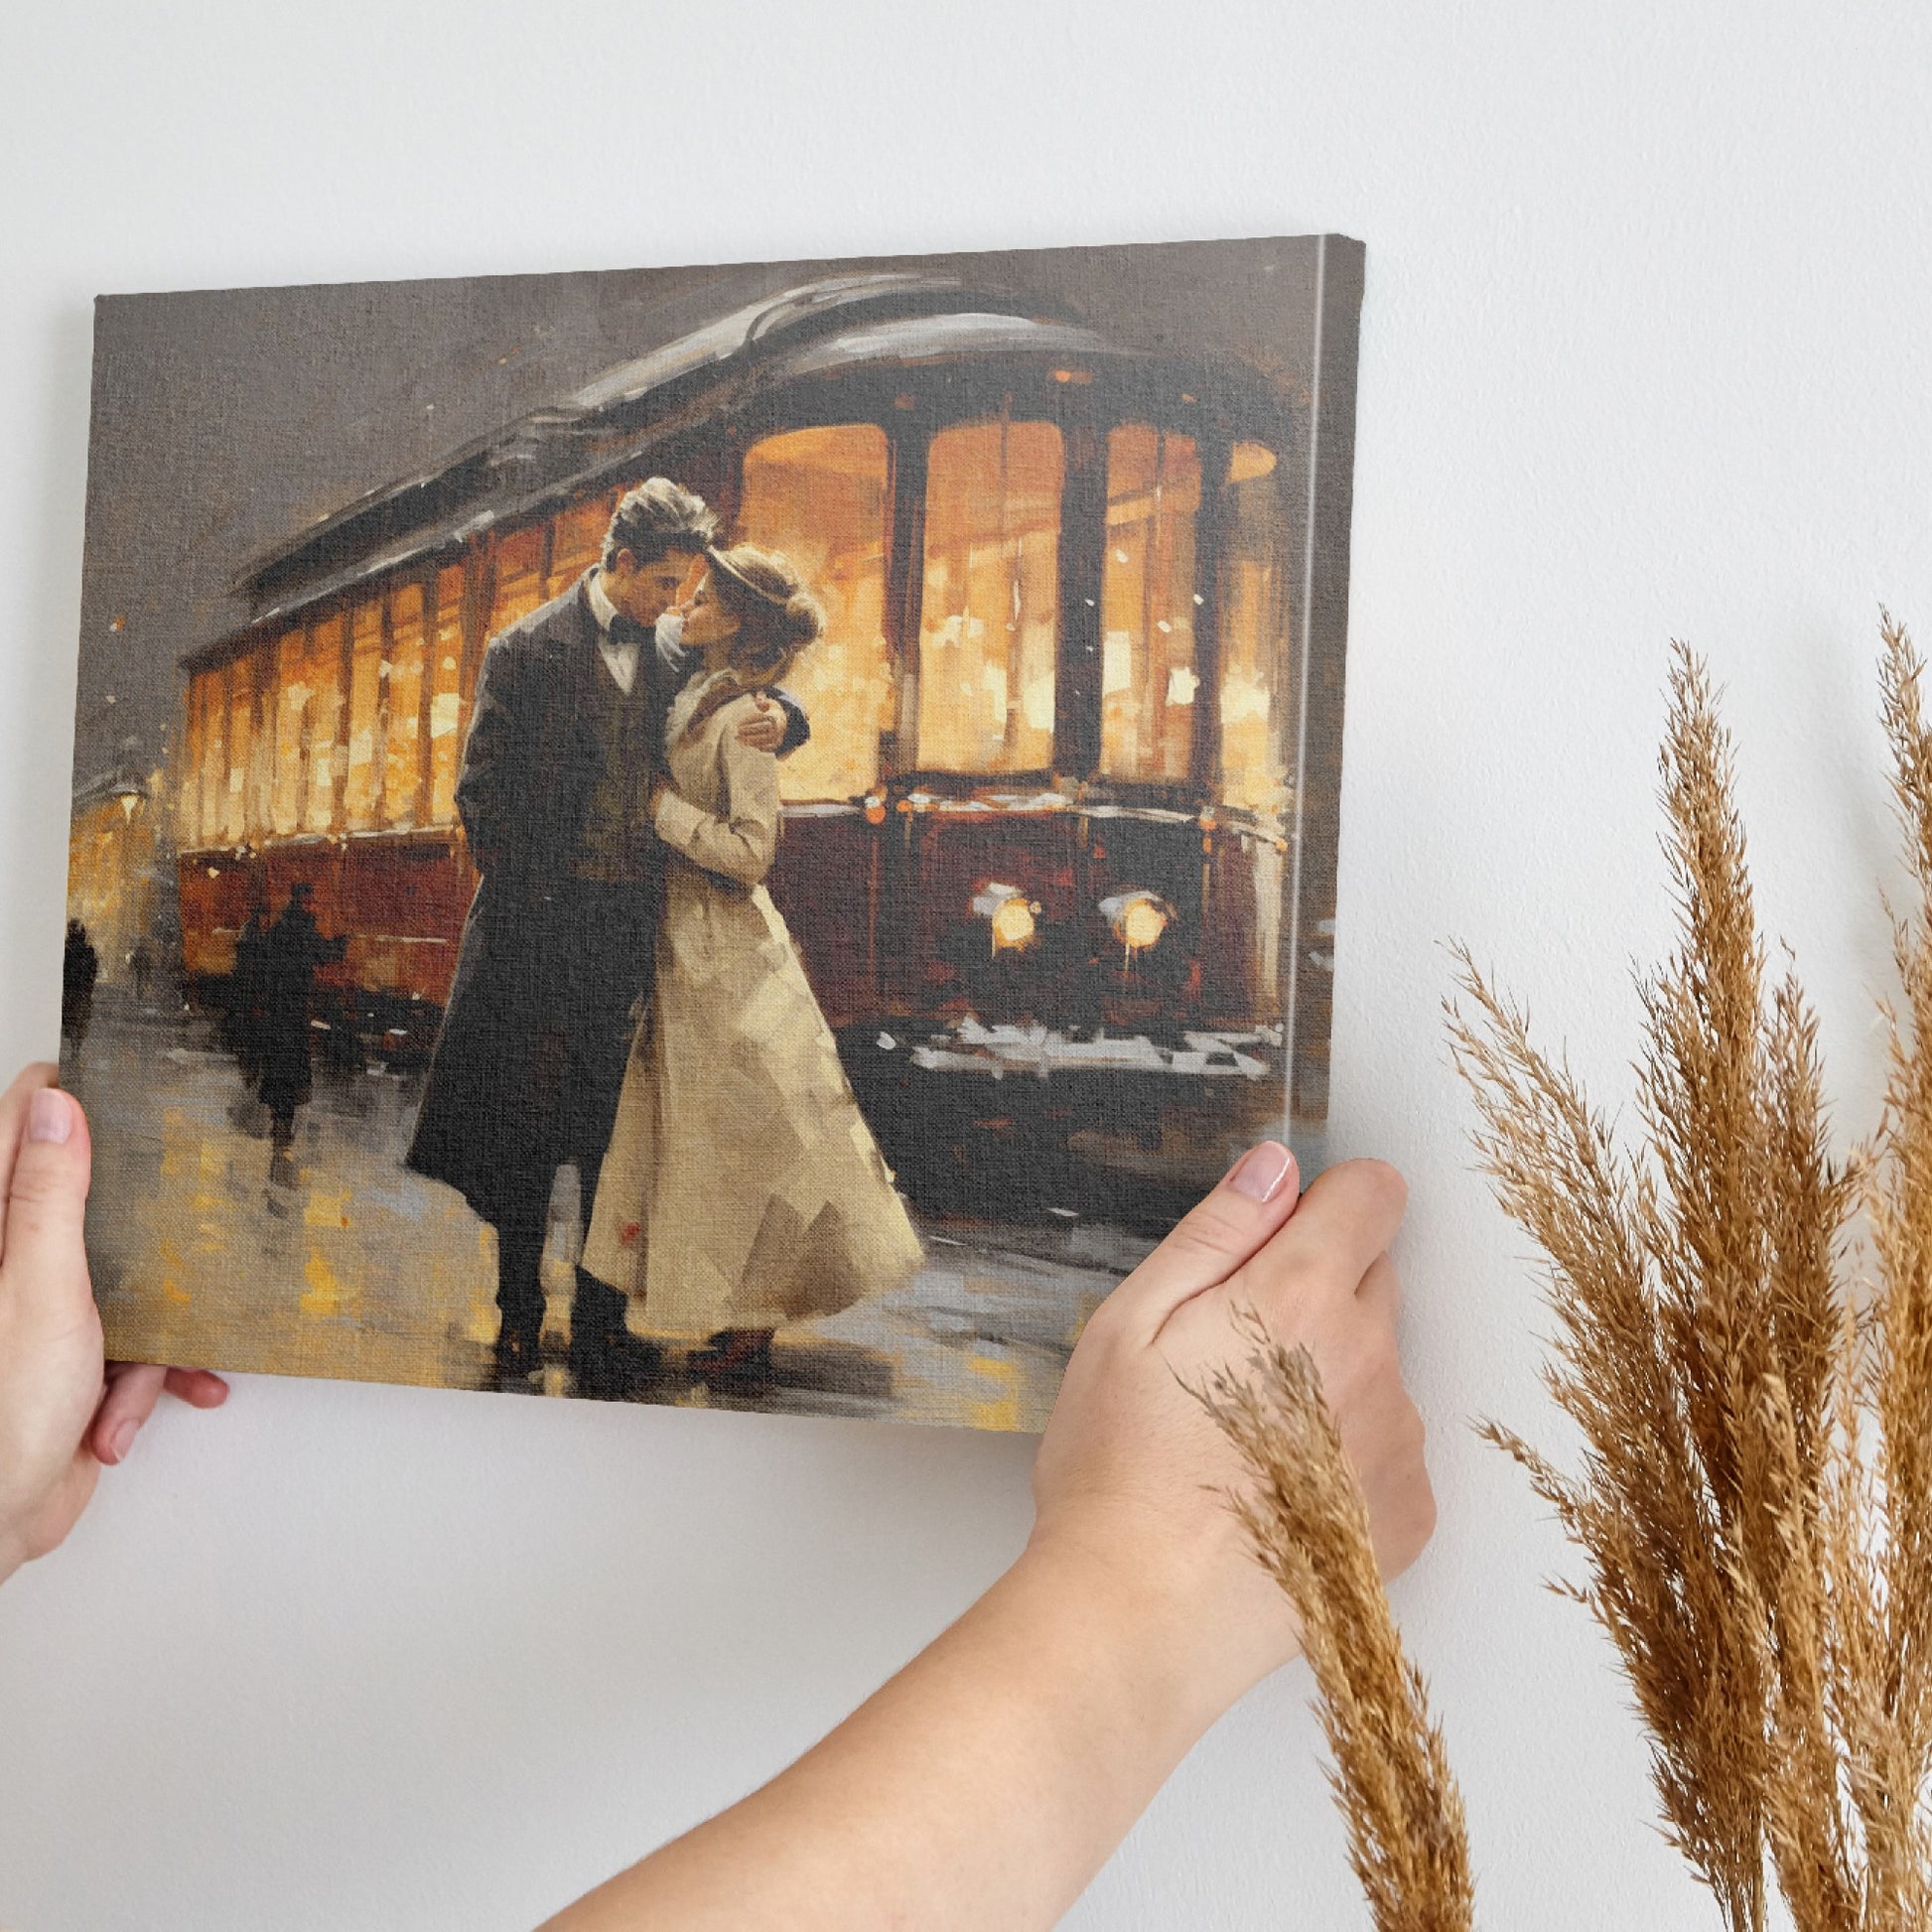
column 628, row 631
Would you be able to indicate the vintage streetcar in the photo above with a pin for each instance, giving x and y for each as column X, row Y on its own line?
column 1058, row 879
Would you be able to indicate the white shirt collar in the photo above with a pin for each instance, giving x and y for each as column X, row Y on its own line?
column 601, row 609
column 620, row 658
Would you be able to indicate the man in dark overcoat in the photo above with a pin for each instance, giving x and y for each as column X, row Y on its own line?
column 559, row 945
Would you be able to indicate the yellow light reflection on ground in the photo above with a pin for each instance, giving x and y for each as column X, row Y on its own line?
column 335, row 1261
column 1001, row 1410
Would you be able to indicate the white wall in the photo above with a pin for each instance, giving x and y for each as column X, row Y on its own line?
column 1643, row 355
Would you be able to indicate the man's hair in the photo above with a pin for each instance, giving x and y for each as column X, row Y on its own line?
column 655, row 518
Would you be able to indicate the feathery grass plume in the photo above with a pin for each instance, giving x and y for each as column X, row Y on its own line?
column 1766, row 1582
column 1309, row 1524
column 1888, row 1697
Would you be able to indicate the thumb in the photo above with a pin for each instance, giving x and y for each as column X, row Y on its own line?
column 44, row 1259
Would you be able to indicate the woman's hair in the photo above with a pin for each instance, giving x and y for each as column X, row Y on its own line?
column 776, row 616
column 777, row 619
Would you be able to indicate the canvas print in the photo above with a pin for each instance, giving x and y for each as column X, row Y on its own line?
column 733, row 836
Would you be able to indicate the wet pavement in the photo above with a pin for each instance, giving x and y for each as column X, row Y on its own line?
column 210, row 1249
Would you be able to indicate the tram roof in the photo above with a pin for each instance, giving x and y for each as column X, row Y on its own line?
column 841, row 323
column 624, row 395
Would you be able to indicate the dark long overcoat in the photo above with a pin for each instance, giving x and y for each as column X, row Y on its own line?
column 529, row 766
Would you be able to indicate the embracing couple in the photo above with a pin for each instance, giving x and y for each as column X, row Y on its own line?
column 627, row 1000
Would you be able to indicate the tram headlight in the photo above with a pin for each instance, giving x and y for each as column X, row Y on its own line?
column 1138, row 919
column 1013, row 925
column 1010, row 916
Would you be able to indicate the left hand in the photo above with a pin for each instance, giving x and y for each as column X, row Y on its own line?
column 764, row 731
column 63, row 1412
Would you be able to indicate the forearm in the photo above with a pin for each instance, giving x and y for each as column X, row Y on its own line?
column 740, row 847
column 984, row 1785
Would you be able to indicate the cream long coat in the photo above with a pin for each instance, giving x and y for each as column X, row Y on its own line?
column 741, row 1187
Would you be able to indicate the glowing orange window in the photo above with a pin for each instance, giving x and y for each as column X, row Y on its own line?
column 235, row 807
column 1254, row 637
column 449, row 704
column 324, row 677
column 577, row 541
column 289, row 733
column 402, row 735
column 1148, row 679
column 819, row 497
column 989, row 624
column 519, row 578
column 363, row 784
column 214, row 753
column 189, row 814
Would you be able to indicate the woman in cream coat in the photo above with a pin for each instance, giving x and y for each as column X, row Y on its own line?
column 743, row 1189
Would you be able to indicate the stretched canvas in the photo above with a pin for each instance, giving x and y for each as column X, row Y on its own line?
column 733, row 836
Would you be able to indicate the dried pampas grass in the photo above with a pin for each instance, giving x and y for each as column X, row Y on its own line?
column 1753, row 1390
column 1309, row 1525
column 1754, row 1501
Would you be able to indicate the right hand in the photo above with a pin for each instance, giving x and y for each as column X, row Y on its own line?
column 1130, row 1478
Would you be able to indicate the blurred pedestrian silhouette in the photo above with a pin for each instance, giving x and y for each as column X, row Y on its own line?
column 247, row 1017
column 79, row 969
column 292, row 951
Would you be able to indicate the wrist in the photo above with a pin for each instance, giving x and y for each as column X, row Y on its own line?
column 1142, row 1628
column 1180, row 1592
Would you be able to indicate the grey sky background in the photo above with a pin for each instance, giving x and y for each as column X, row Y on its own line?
column 225, row 421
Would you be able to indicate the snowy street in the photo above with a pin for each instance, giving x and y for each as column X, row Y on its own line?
column 336, row 1261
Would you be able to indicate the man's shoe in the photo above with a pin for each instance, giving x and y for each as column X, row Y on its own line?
column 607, row 1362
column 614, row 1366
column 516, row 1359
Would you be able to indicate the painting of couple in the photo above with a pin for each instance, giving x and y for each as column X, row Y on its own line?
column 628, row 999
column 801, row 802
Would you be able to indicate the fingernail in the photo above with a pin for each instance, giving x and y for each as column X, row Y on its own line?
column 1262, row 1171
column 49, row 1115
column 122, row 1439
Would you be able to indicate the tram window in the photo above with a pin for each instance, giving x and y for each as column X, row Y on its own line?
column 1146, row 605
column 188, row 795
column 1254, row 637
column 448, row 708
column 215, row 762
column 577, row 541
column 988, row 636
column 290, row 733
column 196, row 750
column 403, row 743
column 819, row 495
column 241, row 749
column 519, row 578
column 364, row 782
column 325, row 682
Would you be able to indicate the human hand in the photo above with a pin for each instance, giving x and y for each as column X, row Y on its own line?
column 63, row 1412
column 764, row 731
column 1129, row 1481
